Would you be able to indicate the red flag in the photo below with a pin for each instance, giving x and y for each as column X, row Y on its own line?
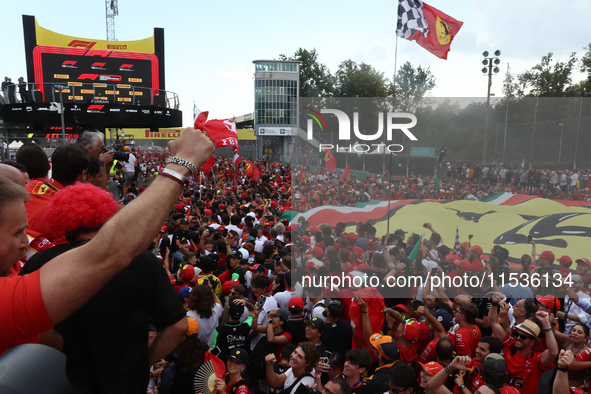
column 251, row 170
column 345, row 174
column 302, row 177
column 208, row 164
column 331, row 162
column 199, row 118
column 237, row 160
column 222, row 132
column 442, row 30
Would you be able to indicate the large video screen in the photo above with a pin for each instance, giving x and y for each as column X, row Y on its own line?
column 91, row 71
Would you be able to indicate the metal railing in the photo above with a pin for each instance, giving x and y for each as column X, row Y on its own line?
column 79, row 92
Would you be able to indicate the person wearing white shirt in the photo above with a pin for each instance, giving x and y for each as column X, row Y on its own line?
column 572, row 311
column 260, row 285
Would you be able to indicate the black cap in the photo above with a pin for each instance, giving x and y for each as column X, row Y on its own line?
column 444, row 250
column 235, row 310
column 240, row 355
column 184, row 221
column 317, row 323
column 235, row 252
column 399, row 232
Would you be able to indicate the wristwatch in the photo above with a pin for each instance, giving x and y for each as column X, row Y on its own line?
column 462, row 386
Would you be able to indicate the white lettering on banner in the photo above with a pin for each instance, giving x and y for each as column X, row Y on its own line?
column 345, row 125
column 230, row 126
column 229, row 141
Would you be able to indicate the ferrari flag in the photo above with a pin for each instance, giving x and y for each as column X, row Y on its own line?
column 429, row 27
column 331, row 162
column 222, row 132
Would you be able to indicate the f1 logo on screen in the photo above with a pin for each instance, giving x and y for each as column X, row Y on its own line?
column 82, row 44
column 97, row 107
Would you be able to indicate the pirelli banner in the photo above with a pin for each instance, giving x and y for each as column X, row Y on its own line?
column 89, row 70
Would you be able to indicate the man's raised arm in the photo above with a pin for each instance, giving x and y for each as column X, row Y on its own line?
column 84, row 270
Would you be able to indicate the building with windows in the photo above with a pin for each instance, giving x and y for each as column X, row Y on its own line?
column 276, row 88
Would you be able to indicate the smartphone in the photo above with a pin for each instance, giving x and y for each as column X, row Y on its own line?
column 225, row 233
column 261, row 302
column 425, row 225
column 530, row 238
column 216, row 351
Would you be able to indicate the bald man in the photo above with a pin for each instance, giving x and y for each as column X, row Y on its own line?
column 15, row 172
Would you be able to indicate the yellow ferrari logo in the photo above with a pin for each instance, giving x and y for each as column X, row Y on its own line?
column 443, row 31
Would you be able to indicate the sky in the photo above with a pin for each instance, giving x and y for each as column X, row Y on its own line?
column 210, row 46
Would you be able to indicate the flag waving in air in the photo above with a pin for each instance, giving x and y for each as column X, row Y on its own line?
column 222, row 132
column 429, row 27
column 345, row 174
column 331, row 162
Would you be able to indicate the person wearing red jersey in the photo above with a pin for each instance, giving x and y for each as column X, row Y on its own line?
column 583, row 269
column 232, row 381
column 473, row 378
column 468, row 335
column 524, row 365
column 458, row 365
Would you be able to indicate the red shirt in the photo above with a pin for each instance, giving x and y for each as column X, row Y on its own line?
column 525, row 371
column 466, row 339
column 429, row 354
column 42, row 191
column 23, row 315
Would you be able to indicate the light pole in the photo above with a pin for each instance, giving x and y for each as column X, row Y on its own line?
column 488, row 62
column 560, row 148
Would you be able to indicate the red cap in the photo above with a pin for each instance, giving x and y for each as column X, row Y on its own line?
column 318, row 252
column 565, row 260
column 477, row 249
column 585, row 261
column 306, row 239
column 431, row 368
column 163, row 229
column 412, row 330
column 550, row 301
column 207, row 212
column 188, row 272
column 547, row 255
column 352, row 237
column 464, row 245
column 296, row 303
column 464, row 264
column 403, row 307
column 476, row 266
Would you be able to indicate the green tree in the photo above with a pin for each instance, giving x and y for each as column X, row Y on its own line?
column 586, row 68
column 411, row 85
column 549, row 78
column 360, row 80
column 315, row 78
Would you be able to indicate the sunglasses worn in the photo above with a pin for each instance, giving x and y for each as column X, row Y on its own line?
column 522, row 336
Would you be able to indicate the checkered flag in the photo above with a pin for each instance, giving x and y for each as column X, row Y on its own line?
column 411, row 19
column 457, row 243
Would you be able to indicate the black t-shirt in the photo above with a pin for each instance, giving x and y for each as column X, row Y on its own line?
column 361, row 388
column 230, row 336
column 105, row 341
column 483, row 302
column 378, row 382
column 181, row 235
column 337, row 336
column 297, row 329
column 164, row 244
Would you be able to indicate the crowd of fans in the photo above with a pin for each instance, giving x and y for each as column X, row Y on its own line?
column 235, row 273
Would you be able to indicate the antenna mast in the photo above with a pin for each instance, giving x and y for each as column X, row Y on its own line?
column 112, row 11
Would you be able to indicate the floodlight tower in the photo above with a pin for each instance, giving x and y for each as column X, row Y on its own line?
column 112, row 11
